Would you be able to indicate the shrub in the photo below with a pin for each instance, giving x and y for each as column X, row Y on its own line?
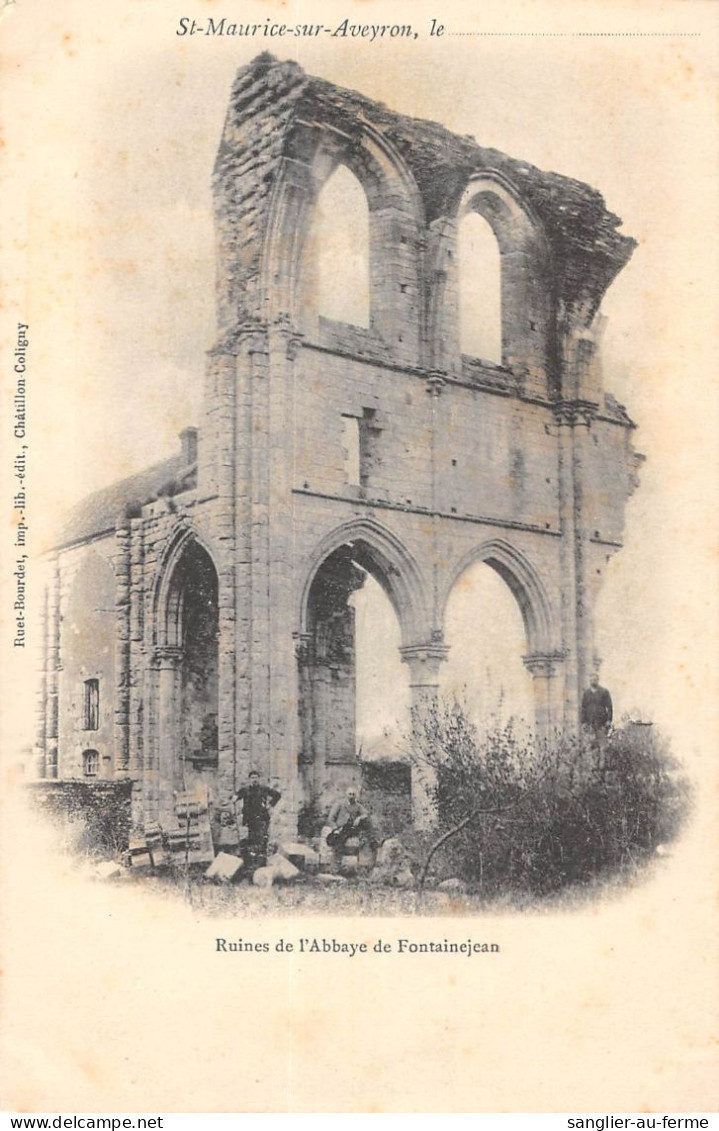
column 516, row 814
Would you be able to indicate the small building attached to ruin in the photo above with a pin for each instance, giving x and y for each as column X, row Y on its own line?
column 198, row 620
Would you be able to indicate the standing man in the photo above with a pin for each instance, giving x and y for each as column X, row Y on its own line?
column 257, row 804
column 597, row 714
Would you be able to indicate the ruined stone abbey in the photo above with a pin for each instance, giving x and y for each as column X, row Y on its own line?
column 198, row 622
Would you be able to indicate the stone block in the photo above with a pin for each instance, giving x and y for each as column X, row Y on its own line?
column 283, row 869
column 303, row 852
column 264, row 877
column 452, row 886
column 107, row 870
column 224, row 867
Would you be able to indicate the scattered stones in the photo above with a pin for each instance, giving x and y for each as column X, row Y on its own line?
column 224, row 867
column 330, row 879
column 297, row 851
column 108, row 870
column 393, row 865
column 453, row 886
column 283, row 869
column 326, row 855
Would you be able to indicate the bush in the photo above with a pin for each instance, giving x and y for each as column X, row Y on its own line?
column 514, row 814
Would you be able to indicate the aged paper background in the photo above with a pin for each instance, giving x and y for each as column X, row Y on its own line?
column 113, row 1001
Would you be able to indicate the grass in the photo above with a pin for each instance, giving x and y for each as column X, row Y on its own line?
column 359, row 898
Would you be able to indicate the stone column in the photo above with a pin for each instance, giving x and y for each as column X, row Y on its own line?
column 137, row 690
column 547, row 709
column 41, row 703
column 166, row 661
column 424, row 662
column 307, row 765
column 227, row 393
column 584, row 415
column 255, row 360
column 53, row 762
column 121, row 761
column 574, row 419
column 285, row 345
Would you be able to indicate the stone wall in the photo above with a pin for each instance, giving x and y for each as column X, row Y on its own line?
column 90, row 817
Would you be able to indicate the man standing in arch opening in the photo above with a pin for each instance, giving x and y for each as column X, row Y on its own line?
column 257, row 804
column 596, row 717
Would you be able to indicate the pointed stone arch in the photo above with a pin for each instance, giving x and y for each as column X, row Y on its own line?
column 544, row 656
column 312, row 153
column 327, row 644
column 525, row 584
column 392, row 565
column 527, row 318
column 164, row 598
column 184, row 673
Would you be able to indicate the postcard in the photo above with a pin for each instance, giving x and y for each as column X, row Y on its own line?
column 359, row 558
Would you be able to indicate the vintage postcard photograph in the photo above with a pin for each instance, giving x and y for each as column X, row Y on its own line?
column 359, row 651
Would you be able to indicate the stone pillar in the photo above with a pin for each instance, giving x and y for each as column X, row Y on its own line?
column 547, row 709
column 228, row 453
column 574, row 420
column 285, row 345
column 121, row 761
column 424, row 662
column 584, row 414
column 166, row 661
column 137, row 675
column 442, row 317
column 53, row 760
column 41, row 704
column 255, row 360
column 304, row 654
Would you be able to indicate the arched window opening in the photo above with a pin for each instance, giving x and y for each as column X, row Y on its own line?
column 340, row 242
column 194, row 601
column 480, row 290
column 486, row 636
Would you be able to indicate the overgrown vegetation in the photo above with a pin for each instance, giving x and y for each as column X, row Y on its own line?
column 518, row 815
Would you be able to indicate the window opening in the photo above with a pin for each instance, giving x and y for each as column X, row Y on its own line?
column 480, row 290
column 90, row 763
column 91, row 707
column 342, row 240
column 360, row 442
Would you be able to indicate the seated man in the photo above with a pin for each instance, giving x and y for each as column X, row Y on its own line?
column 348, row 819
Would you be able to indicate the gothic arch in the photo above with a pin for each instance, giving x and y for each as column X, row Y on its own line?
column 527, row 316
column 312, row 154
column 166, row 595
column 389, row 562
column 524, row 583
column 510, row 217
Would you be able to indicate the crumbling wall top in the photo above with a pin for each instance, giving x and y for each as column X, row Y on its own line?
column 273, row 104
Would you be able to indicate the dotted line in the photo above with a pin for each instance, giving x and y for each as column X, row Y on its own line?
column 582, row 34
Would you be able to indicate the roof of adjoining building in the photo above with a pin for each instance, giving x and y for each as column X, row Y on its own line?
column 99, row 512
